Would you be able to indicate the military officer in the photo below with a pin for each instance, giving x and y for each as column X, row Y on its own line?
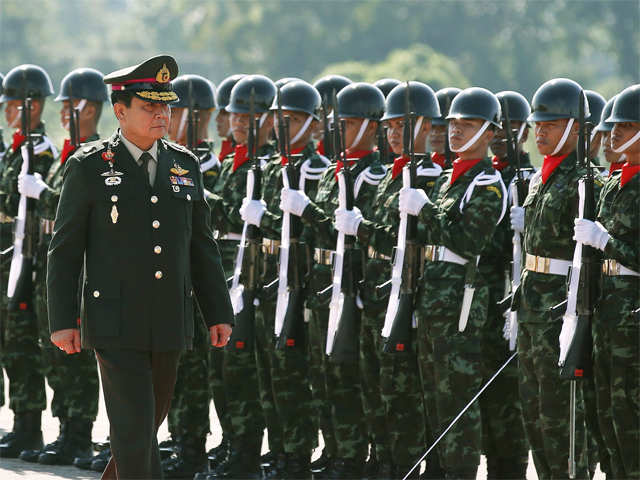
column 400, row 387
column 458, row 225
column 615, row 233
column 22, row 357
column 548, row 248
column 73, row 378
column 132, row 209
column 438, row 138
column 361, row 105
column 188, row 418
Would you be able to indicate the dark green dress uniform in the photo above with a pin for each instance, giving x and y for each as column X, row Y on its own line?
column 146, row 250
column 21, row 349
column 401, row 391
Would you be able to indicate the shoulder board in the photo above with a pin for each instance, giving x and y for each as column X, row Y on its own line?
column 180, row 148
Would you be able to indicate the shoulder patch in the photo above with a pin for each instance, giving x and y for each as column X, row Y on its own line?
column 181, row 149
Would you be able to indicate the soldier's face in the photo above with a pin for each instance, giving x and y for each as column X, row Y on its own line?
column 499, row 144
column 352, row 128
column 177, row 132
column 143, row 120
column 64, row 112
column 609, row 155
column 296, row 122
column 222, row 123
column 438, row 138
column 12, row 113
column 395, row 130
column 549, row 134
column 240, row 126
column 461, row 130
column 622, row 133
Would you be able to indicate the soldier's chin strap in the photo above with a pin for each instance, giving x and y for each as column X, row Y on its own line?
column 564, row 137
column 521, row 131
column 627, row 144
column 183, row 123
column 472, row 140
column 363, row 127
column 301, row 132
column 79, row 108
column 263, row 117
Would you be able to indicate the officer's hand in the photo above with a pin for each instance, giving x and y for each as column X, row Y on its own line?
column 412, row 200
column 31, row 185
column 67, row 340
column 220, row 334
column 517, row 219
column 590, row 233
column 293, row 201
column 347, row 221
column 252, row 211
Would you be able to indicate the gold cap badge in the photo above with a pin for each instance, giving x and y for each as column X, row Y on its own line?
column 163, row 75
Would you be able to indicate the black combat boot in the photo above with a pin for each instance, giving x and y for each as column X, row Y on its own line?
column 31, row 456
column 101, row 460
column 243, row 462
column 275, row 467
column 26, row 435
column 167, row 447
column 76, row 443
column 219, row 454
column 321, row 463
column 190, row 459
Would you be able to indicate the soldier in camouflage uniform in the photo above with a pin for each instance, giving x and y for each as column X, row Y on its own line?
column 438, row 137
column 73, row 378
column 596, row 106
column 3, row 312
column 614, row 160
column 547, row 242
column 502, row 422
column 400, row 387
column 188, row 417
column 362, row 106
column 616, row 326
column 249, row 406
column 22, row 356
column 457, row 226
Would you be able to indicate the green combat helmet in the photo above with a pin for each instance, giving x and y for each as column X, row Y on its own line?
column 445, row 96
column 203, row 93
column 476, row 102
column 422, row 101
column 386, row 85
column 361, row 100
column 264, row 93
column 223, row 92
column 85, row 83
column 299, row 96
column 26, row 81
column 556, row 99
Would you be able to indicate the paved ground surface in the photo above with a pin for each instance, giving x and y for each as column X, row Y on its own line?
column 19, row 470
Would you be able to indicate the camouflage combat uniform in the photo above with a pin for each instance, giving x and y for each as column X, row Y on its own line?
column 616, row 329
column 450, row 360
column 549, row 210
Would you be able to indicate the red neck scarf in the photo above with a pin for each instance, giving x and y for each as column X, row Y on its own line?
column 398, row 165
column 549, row 164
column 295, row 151
column 352, row 156
column 615, row 166
column 628, row 172
column 68, row 149
column 460, row 167
column 225, row 149
column 240, row 156
column 439, row 159
column 320, row 147
column 18, row 139
column 499, row 164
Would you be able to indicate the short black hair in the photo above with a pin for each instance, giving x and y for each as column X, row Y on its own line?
column 121, row 96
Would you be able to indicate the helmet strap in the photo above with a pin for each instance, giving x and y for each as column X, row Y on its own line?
column 303, row 129
column 417, row 127
column 628, row 143
column 521, row 131
column 363, row 127
column 472, row 140
column 565, row 135
column 263, row 117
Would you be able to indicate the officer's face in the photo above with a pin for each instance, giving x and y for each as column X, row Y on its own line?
column 438, row 138
column 395, row 129
column 177, row 132
column 222, row 123
column 622, row 133
column 609, row 155
column 549, row 134
column 143, row 121
column 461, row 130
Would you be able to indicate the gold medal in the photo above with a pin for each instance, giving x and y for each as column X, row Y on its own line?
column 178, row 170
column 114, row 214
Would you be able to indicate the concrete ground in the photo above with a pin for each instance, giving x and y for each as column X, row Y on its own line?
column 11, row 469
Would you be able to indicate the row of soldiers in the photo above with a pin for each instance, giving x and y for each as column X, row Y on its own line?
column 382, row 404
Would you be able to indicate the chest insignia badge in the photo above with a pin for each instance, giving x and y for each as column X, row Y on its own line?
column 111, row 181
column 114, row 214
column 178, row 170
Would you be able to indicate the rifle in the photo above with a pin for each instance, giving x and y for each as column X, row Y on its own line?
column 20, row 286
column 575, row 338
column 398, row 323
column 244, row 296
column 344, row 315
column 383, row 146
column 327, row 137
column 289, row 325
column 447, row 149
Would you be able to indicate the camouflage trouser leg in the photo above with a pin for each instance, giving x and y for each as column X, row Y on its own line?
column 504, row 441
column 404, row 409
column 189, row 413
column 264, row 346
column 545, row 399
column 625, row 394
column 602, row 380
column 321, row 407
column 292, row 397
column 370, row 356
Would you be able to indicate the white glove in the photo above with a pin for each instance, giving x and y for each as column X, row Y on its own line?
column 590, row 233
column 412, row 200
column 293, row 201
column 31, row 185
column 347, row 221
column 252, row 211
column 517, row 219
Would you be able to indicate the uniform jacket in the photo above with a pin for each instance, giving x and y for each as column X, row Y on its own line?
column 146, row 250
